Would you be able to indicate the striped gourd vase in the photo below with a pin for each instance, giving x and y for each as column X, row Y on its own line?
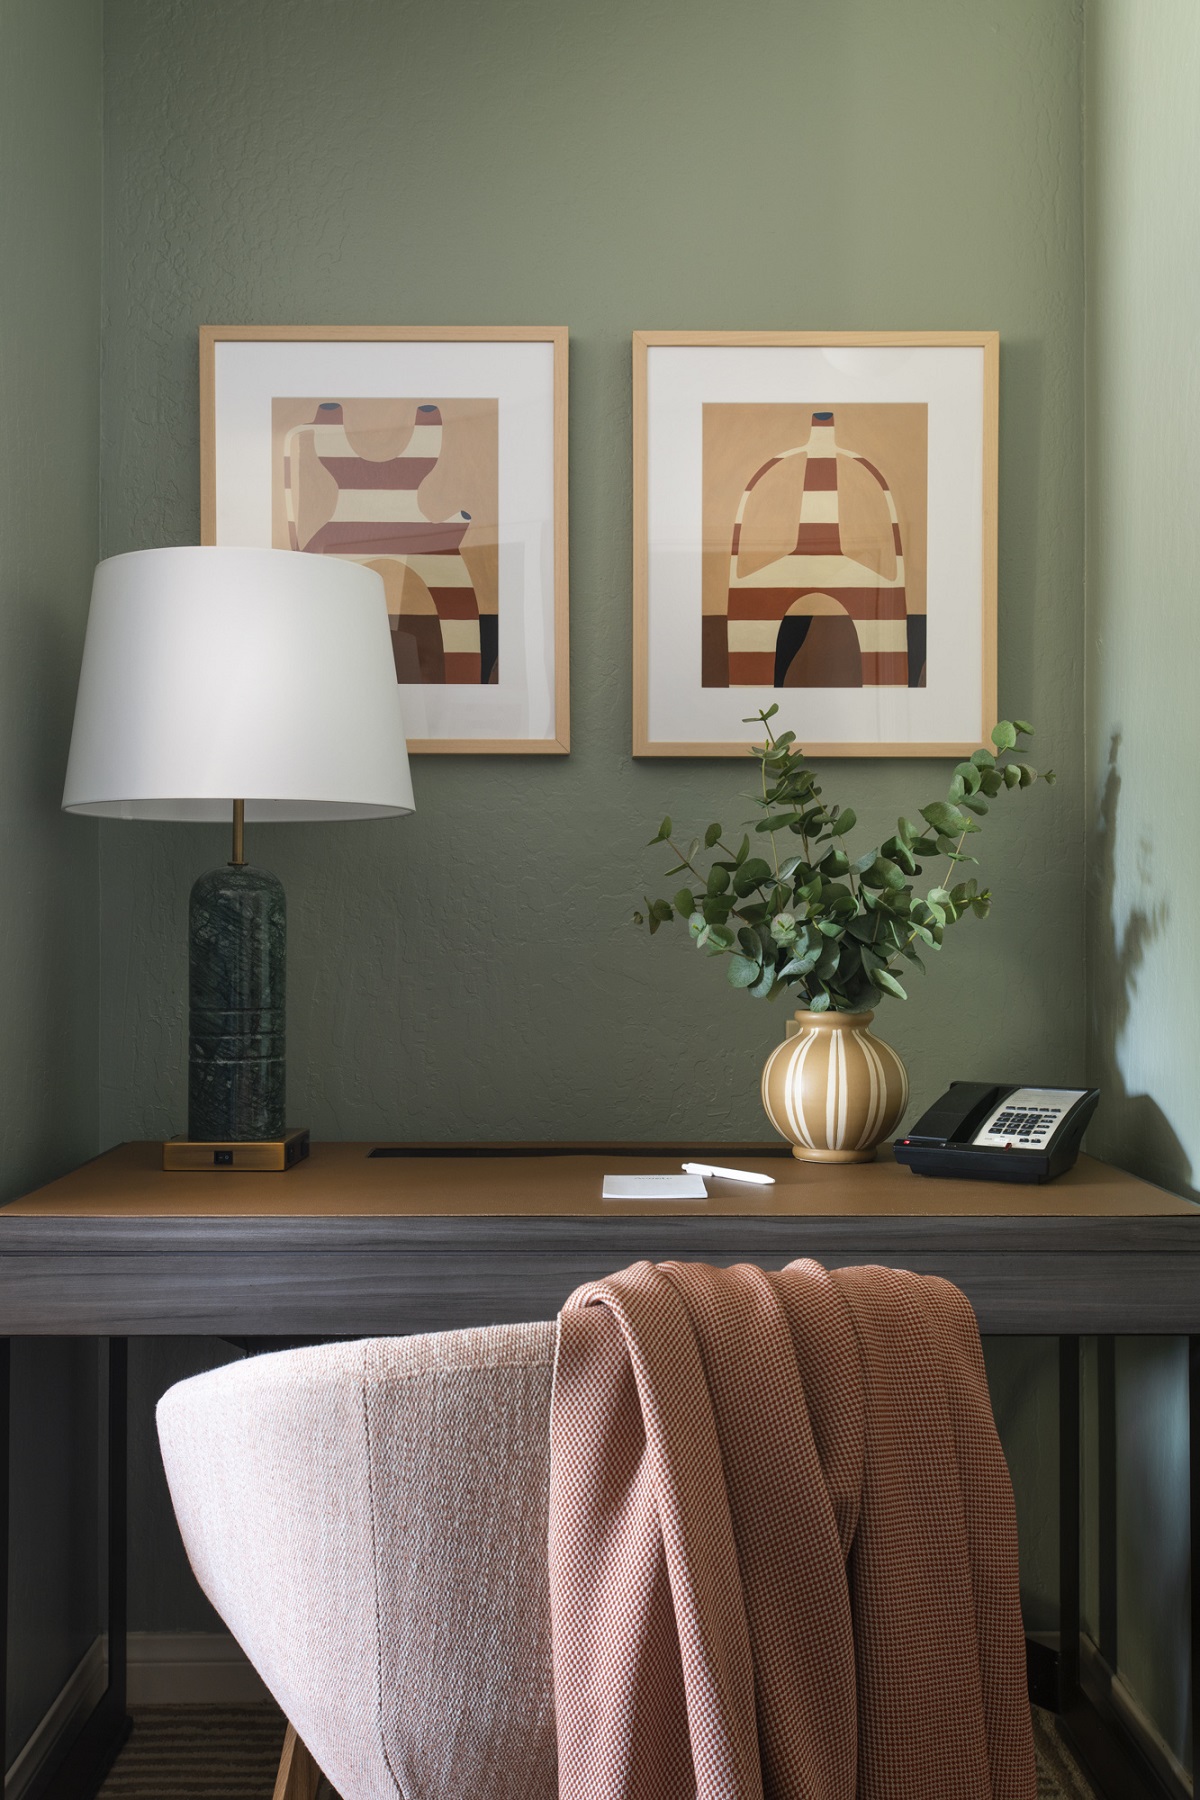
column 832, row 1090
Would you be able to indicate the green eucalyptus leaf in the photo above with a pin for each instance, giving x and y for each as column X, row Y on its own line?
column 829, row 958
column 712, row 836
column 1012, row 775
column 743, row 971
column 751, row 875
column 887, row 983
column 1024, row 729
column 845, row 821
column 897, row 851
column 818, row 1002
column 983, row 759
column 884, row 873
column 1004, row 735
column 800, row 965
column 718, row 879
column 685, row 902
column 766, row 981
column 976, row 803
column 945, row 819
column 663, row 833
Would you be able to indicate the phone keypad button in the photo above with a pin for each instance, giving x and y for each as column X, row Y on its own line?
column 1027, row 1118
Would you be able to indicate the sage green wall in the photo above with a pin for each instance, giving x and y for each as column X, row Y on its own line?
column 50, row 77
column 472, row 970
column 779, row 164
column 1143, row 629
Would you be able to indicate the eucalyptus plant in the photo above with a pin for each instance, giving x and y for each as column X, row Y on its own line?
column 808, row 916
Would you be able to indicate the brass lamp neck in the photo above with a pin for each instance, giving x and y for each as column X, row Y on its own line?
column 238, row 859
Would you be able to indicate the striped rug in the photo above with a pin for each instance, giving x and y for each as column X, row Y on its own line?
column 232, row 1753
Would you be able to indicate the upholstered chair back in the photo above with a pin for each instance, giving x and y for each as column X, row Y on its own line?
column 369, row 1519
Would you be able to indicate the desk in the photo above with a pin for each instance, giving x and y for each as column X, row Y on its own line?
column 431, row 1238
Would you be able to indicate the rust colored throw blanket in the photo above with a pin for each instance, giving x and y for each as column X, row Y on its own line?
column 783, row 1552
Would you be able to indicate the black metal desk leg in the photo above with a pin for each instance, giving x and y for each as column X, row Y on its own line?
column 1194, row 1520
column 5, row 1470
column 1106, row 1496
column 1068, row 1521
column 80, row 1772
column 118, row 1523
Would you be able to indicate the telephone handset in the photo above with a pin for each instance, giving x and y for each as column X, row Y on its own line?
column 999, row 1133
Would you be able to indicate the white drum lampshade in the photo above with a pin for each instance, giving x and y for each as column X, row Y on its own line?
column 257, row 684
column 213, row 674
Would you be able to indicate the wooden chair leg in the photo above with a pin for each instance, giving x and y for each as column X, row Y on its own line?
column 299, row 1777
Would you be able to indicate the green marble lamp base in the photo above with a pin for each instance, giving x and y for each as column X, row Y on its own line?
column 237, row 967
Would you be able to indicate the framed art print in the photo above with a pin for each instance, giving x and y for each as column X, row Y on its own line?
column 815, row 526
column 436, row 457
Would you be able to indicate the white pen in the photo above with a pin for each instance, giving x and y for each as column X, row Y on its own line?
column 729, row 1174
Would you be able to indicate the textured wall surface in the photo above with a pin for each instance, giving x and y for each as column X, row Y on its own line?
column 473, row 968
column 50, row 63
column 1143, row 161
column 472, row 971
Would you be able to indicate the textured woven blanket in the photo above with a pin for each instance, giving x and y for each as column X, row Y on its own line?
column 783, row 1553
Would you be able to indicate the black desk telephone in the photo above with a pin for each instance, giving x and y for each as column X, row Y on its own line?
column 999, row 1133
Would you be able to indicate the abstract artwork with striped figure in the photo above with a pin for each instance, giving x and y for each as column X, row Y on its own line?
column 408, row 487
column 814, row 546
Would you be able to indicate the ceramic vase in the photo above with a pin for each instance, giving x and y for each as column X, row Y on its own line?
column 832, row 1089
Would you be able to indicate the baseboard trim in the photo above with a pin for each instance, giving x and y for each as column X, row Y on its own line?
column 1112, row 1699
column 181, row 1668
column 62, row 1720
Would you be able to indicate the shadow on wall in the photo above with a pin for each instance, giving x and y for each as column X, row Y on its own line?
column 1134, row 1130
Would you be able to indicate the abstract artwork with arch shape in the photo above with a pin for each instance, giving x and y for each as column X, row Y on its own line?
column 815, row 537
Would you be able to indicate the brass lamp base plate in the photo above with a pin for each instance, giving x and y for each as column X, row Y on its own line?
column 273, row 1153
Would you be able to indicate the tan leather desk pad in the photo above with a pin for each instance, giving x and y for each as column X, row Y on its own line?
column 342, row 1179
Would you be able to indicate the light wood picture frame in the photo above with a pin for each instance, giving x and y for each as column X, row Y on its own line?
column 814, row 520
column 438, row 456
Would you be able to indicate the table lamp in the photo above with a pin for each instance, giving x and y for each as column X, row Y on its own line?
column 248, row 685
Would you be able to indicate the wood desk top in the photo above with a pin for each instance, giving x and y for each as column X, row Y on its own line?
column 341, row 1180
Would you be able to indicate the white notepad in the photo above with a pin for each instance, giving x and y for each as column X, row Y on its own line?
column 654, row 1187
